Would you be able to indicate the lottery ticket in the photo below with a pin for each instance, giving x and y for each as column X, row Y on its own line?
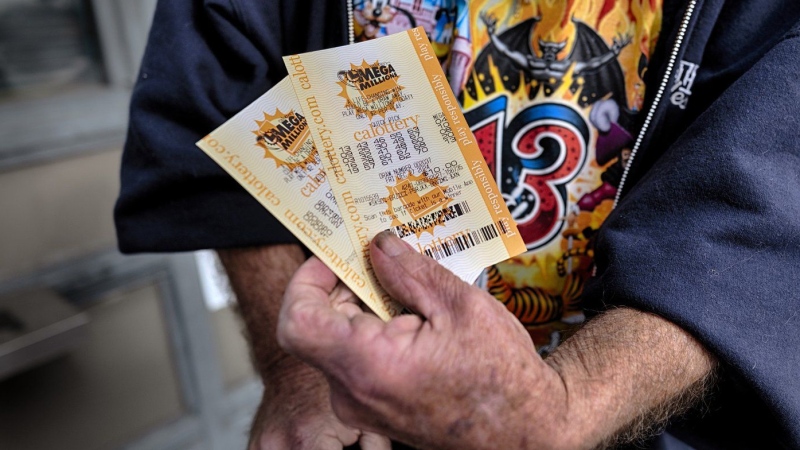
column 399, row 154
column 268, row 149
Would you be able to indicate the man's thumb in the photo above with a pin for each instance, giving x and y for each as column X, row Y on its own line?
column 416, row 281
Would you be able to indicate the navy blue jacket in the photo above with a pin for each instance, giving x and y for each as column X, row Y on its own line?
column 707, row 233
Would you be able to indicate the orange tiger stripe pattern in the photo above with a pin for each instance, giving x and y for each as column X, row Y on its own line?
column 532, row 306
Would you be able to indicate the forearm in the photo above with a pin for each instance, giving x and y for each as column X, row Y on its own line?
column 259, row 276
column 626, row 371
column 295, row 408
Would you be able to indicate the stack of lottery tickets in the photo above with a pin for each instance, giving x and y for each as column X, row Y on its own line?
column 362, row 139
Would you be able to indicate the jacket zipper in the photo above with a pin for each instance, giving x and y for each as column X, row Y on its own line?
column 351, row 31
column 687, row 17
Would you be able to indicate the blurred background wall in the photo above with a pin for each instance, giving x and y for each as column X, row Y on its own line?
column 97, row 350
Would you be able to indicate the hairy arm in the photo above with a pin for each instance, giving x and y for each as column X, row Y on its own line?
column 259, row 276
column 626, row 372
column 295, row 410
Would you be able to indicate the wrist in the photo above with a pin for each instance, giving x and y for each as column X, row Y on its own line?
column 558, row 415
column 293, row 392
column 575, row 428
column 620, row 368
column 288, row 376
column 542, row 421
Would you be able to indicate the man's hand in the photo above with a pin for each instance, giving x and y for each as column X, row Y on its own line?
column 295, row 411
column 464, row 374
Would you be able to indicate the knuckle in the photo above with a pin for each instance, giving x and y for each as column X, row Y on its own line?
column 294, row 319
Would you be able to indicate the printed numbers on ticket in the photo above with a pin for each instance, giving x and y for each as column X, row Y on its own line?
column 268, row 149
column 400, row 155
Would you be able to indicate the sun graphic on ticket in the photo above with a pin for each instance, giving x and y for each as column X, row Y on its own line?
column 420, row 201
column 370, row 89
column 286, row 138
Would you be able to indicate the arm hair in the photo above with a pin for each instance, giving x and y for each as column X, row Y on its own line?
column 627, row 372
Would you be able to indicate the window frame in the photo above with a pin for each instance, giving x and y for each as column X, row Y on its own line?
column 85, row 119
column 216, row 416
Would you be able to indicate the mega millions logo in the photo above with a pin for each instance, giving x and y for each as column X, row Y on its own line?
column 370, row 89
column 285, row 138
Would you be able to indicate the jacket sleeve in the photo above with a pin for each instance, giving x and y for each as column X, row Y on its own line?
column 710, row 237
column 205, row 61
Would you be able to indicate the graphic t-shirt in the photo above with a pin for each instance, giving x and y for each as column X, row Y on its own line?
column 552, row 90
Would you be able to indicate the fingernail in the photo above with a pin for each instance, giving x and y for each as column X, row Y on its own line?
column 391, row 244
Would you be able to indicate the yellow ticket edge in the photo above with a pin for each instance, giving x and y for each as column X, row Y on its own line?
column 260, row 176
column 466, row 141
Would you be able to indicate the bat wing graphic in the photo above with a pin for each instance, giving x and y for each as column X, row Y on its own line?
column 516, row 38
column 602, row 81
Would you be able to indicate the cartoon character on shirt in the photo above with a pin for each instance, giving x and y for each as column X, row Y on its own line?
column 377, row 18
column 552, row 92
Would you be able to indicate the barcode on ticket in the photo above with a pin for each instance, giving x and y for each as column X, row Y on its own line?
column 444, row 248
column 438, row 217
